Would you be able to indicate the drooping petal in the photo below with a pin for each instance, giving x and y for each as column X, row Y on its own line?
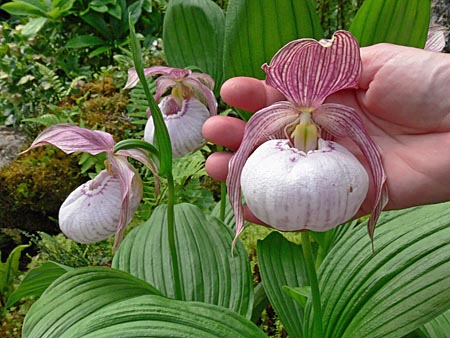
column 184, row 125
column 343, row 121
column 131, row 192
column 203, row 78
column 266, row 124
column 306, row 71
column 292, row 190
column 70, row 138
column 174, row 73
column 203, row 93
column 163, row 83
column 91, row 212
column 142, row 156
column 436, row 38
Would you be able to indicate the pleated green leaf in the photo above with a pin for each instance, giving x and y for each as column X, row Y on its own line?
column 155, row 316
column 78, row 294
column 209, row 272
column 256, row 29
column 402, row 286
column 437, row 327
column 282, row 263
column 402, row 22
column 37, row 280
column 193, row 36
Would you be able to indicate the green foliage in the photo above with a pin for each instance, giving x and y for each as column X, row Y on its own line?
column 8, row 273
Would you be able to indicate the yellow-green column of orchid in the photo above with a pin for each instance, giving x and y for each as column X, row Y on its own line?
column 162, row 140
column 304, row 138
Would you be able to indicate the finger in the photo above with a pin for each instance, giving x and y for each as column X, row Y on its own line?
column 224, row 130
column 217, row 165
column 249, row 94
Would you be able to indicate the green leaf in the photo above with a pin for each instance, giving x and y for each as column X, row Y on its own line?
column 155, row 316
column 282, row 263
column 229, row 218
column 193, row 36
column 260, row 303
column 83, row 41
column 300, row 295
column 208, row 272
column 399, row 22
column 437, row 327
column 37, row 280
column 396, row 290
column 10, row 269
column 21, row 8
column 256, row 29
column 33, row 27
column 78, row 294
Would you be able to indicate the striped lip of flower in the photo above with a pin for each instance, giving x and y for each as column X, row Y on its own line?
column 436, row 38
column 190, row 103
column 298, row 178
column 104, row 205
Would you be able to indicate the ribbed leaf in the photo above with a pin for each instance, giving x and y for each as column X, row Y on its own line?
column 282, row 263
column 438, row 327
column 209, row 273
column 399, row 22
column 37, row 280
column 405, row 284
column 193, row 36
column 256, row 29
column 228, row 216
column 78, row 294
column 155, row 316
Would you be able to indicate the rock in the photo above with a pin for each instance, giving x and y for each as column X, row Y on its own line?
column 11, row 142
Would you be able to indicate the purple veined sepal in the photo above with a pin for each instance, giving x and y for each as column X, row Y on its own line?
column 343, row 121
column 266, row 124
column 436, row 38
column 120, row 177
column 307, row 71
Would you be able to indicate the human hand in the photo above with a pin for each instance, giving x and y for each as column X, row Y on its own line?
column 404, row 102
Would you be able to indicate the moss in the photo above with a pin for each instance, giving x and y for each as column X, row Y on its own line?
column 102, row 105
column 33, row 187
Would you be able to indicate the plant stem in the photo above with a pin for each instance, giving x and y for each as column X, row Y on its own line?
column 171, row 235
column 223, row 200
column 314, row 283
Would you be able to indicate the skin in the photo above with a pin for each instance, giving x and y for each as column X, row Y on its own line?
column 404, row 101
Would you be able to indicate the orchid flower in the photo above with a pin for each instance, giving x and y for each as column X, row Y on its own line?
column 190, row 103
column 298, row 178
column 104, row 205
column 437, row 35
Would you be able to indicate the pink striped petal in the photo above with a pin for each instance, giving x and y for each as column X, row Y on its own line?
column 202, row 93
column 70, row 138
column 142, row 156
column 173, row 73
column 266, row 124
column 131, row 192
column 306, row 71
column 91, row 212
column 204, row 78
column 437, row 35
column 343, row 121
column 163, row 83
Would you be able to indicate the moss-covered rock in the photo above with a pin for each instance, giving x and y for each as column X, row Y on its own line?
column 33, row 187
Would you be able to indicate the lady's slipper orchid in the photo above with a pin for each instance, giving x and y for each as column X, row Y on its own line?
column 104, row 205
column 190, row 103
column 298, row 178
column 437, row 35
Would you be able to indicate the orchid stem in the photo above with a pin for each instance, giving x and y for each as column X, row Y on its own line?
column 171, row 236
column 314, row 283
